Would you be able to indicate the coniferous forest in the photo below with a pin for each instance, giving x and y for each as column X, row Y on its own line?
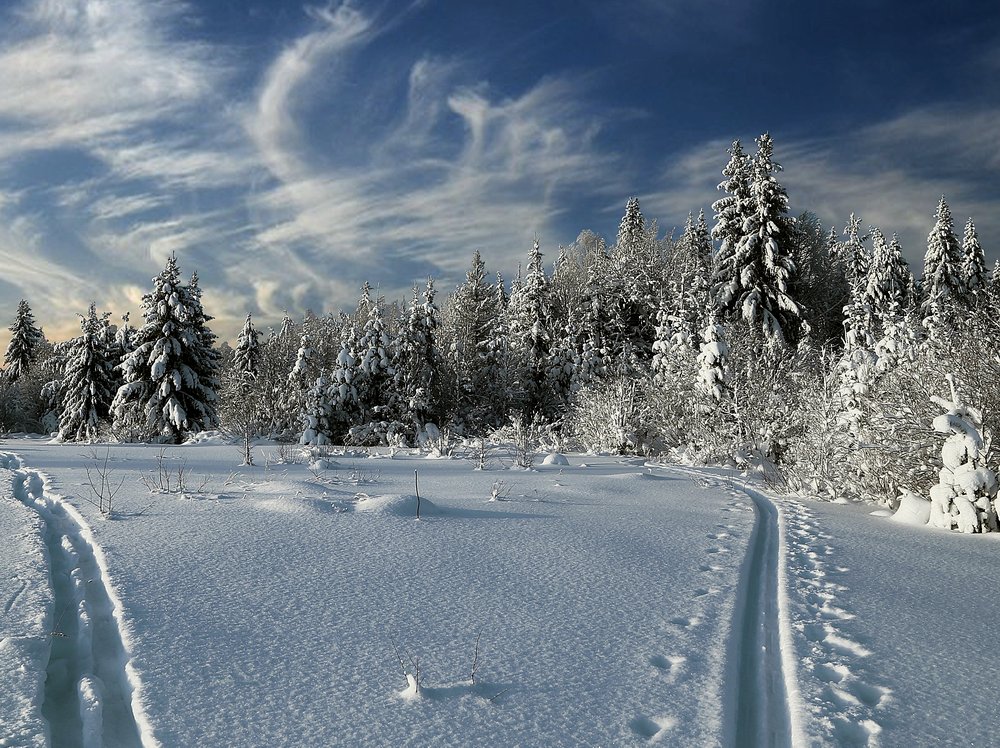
column 812, row 355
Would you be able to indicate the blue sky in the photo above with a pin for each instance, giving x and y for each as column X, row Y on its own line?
column 289, row 152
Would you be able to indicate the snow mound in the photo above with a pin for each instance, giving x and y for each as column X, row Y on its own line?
column 913, row 509
column 399, row 505
column 209, row 437
column 555, row 458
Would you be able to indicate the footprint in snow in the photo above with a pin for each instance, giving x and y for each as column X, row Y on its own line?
column 685, row 622
column 669, row 666
column 651, row 729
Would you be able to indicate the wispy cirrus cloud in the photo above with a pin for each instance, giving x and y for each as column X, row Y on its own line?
column 459, row 168
column 891, row 173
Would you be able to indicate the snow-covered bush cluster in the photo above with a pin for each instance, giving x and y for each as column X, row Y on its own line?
column 764, row 340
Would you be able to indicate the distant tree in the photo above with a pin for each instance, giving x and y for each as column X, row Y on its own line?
column 973, row 266
column 87, row 381
column 25, row 337
column 943, row 286
column 246, row 356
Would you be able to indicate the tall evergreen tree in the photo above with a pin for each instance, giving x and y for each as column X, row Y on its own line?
column 730, row 213
column 758, row 289
column 87, row 381
column 943, row 287
column 246, row 356
column 973, row 265
column 530, row 339
column 25, row 337
column 171, row 377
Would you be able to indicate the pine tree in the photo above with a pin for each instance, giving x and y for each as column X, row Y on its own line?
column 25, row 337
column 87, row 381
column 758, row 287
column 730, row 213
column 246, row 357
column 418, row 363
column 886, row 284
column 171, row 377
column 317, row 415
column 943, row 287
column 530, row 340
column 375, row 365
column 973, row 266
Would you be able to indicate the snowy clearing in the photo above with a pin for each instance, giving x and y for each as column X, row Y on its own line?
column 606, row 601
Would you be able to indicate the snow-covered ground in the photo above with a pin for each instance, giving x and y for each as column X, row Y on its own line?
column 613, row 601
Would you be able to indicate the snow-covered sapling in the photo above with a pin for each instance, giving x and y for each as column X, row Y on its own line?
column 966, row 492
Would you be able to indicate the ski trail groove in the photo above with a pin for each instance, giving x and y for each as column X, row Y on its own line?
column 761, row 699
column 759, row 707
column 90, row 683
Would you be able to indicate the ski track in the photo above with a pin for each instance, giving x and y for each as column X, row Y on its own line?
column 90, row 684
column 762, row 692
column 843, row 695
column 789, row 602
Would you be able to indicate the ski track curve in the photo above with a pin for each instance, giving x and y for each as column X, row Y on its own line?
column 760, row 703
column 91, row 688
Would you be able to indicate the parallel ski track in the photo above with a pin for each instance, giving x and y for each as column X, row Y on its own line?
column 761, row 674
column 90, row 682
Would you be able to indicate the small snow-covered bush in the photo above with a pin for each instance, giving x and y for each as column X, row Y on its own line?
column 965, row 495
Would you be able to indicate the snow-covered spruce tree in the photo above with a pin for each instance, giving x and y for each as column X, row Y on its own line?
column 713, row 433
column 757, row 288
column 87, row 381
column 630, row 282
column 973, row 266
column 417, row 365
column 469, row 319
column 373, row 378
column 246, row 356
column 943, row 287
column 965, row 495
column 246, row 407
column 730, row 214
column 171, row 377
column 529, row 337
column 672, row 387
column 318, row 411
column 853, row 252
column 25, row 337
column 887, row 283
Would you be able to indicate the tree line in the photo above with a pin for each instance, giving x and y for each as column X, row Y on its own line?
column 810, row 354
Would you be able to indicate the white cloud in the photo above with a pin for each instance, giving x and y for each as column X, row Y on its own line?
column 891, row 173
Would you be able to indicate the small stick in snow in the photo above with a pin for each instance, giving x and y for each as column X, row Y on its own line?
column 475, row 658
column 416, row 489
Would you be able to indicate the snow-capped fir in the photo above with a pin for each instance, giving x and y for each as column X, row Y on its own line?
column 317, row 415
column 887, row 282
column 730, row 214
column 973, row 265
column 853, row 251
column 713, row 361
column 965, row 495
column 171, row 377
column 758, row 287
column 418, row 364
column 25, row 337
column 375, row 365
column 943, row 286
column 530, row 340
column 246, row 356
column 87, row 381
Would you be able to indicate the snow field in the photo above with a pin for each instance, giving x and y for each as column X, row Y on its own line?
column 265, row 607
